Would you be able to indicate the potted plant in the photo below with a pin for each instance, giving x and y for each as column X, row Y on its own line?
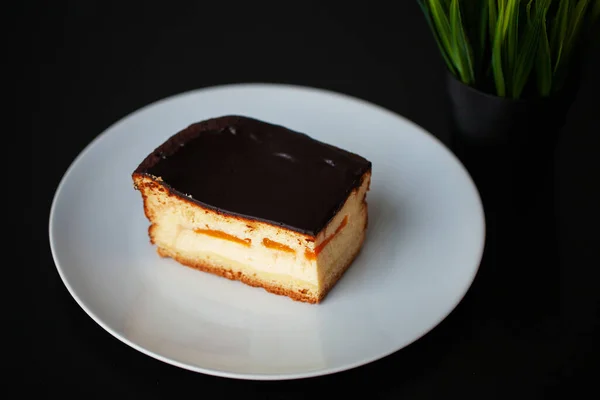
column 513, row 71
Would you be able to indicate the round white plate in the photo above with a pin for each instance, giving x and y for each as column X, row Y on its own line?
column 424, row 244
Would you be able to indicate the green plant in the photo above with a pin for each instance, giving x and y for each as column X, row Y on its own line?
column 511, row 48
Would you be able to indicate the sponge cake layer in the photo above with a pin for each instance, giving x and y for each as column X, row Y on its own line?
column 258, row 253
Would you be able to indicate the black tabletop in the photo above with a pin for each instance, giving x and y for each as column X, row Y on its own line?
column 526, row 329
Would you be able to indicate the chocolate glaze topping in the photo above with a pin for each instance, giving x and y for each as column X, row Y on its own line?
column 253, row 169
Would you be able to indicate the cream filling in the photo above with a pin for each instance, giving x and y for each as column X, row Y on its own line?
column 256, row 256
column 178, row 226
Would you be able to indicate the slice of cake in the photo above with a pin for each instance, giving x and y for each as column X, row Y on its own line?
column 258, row 203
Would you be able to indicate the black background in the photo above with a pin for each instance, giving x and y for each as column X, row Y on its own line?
column 526, row 329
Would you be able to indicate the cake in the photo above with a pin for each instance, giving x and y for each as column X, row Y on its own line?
column 256, row 202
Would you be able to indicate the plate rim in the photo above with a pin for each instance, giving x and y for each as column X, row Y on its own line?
column 261, row 376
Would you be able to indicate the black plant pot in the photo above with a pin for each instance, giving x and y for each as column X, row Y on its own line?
column 508, row 145
column 509, row 148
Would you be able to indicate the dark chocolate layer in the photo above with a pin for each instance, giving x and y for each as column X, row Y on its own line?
column 246, row 167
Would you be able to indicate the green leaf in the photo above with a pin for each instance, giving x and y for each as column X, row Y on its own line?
column 477, row 16
column 436, row 36
column 441, row 22
column 512, row 36
column 503, row 49
column 528, row 50
column 508, row 43
column 501, row 6
column 497, row 69
column 529, row 19
column 483, row 19
column 475, row 24
column 544, row 63
column 460, row 44
column 442, row 25
column 560, row 30
column 577, row 20
column 492, row 18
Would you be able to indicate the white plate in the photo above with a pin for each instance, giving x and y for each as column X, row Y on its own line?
column 424, row 244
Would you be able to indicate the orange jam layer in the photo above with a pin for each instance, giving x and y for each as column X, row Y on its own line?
column 223, row 235
column 312, row 255
column 271, row 244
